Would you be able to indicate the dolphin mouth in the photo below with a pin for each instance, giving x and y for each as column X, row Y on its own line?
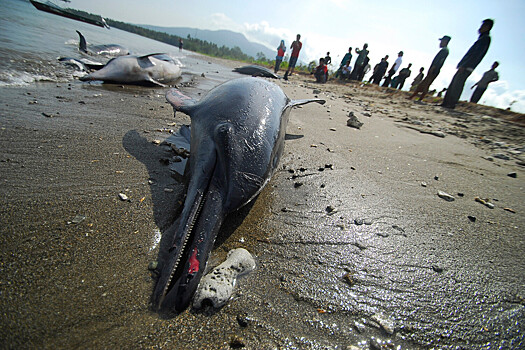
column 193, row 240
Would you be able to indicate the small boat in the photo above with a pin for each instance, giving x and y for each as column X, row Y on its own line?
column 68, row 13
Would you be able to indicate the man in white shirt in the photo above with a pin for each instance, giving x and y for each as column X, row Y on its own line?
column 394, row 69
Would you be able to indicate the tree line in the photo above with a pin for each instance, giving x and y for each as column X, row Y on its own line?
column 192, row 44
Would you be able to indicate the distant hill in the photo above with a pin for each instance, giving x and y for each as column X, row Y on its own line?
column 219, row 37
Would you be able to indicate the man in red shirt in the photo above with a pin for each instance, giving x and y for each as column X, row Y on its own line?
column 296, row 47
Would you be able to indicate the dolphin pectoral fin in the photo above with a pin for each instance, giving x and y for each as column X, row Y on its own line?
column 179, row 101
column 294, row 103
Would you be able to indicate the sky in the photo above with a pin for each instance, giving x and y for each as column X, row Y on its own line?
column 388, row 27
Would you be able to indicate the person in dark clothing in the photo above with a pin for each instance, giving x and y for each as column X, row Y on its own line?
column 327, row 59
column 347, row 58
column 321, row 71
column 402, row 76
column 365, row 68
column 393, row 70
column 379, row 71
column 433, row 71
column 359, row 61
column 488, row 77
column 467, row 64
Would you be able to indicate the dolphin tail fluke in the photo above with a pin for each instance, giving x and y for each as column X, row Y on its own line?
column 82, row 45
column 179, row 101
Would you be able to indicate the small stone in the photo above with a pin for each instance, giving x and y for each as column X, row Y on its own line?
column 423, row 184
column 472, row 218
column 501, row 156
column 512, row 174
column 297, row 184
column 360, row 327
column 445, row 196
column 353, row 121
column 77, row 219
column 333, row 129
column 242, row 321
column 460, row 194
column 385, row 322
column 152, row 266
column 437, row 268
column 123, row 197
column 436, row 178
column 331, row 210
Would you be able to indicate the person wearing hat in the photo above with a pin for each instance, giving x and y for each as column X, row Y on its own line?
column 394, row 69
column 467, row 65
column 433, row 71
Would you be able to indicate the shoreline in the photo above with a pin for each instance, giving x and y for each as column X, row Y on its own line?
column 390, row 260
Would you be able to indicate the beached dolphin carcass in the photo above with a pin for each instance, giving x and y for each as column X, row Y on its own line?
column 154, row 69
column 237, row 138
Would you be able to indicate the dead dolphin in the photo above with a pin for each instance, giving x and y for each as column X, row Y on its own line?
column 237, row 138
column 154, row 69
column 256, row 71
column 106, row 49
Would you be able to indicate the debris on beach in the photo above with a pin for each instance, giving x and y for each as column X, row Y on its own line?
column 386, row 323
column 217, row 286
column 445, row 196
column 123, row 197
column 485, row 201
column 353, row 121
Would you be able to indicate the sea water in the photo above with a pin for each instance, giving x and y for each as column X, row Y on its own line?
column 31, row 41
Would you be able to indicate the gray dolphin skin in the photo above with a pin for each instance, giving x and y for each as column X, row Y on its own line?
column 256, row 71
column 106, row 49
column 154, row 69
column 237, row 138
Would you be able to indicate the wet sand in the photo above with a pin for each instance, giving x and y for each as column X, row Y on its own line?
column 352, row 243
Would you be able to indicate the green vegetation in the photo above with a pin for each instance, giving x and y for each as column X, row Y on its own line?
column 196, row 45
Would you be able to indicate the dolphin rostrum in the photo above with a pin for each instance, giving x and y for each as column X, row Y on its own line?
column 154, row 69
column 106, row 49
column 237, row 138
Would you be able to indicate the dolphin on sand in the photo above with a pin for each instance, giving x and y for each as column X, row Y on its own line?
column 154, row 69
column 237, row 138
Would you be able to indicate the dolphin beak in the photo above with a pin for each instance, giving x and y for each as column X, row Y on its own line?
column 194, row 237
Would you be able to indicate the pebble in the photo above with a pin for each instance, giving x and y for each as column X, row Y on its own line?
column 424, row 184
column 485, row 202
column 512, row 174
column 385, row 322
column 501, row 156
column 123, row 197
column 472, row 218
column 445, row 196
column 353, row 121
column 217, row 286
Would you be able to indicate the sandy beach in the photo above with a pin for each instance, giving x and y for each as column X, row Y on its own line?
column 354, row 247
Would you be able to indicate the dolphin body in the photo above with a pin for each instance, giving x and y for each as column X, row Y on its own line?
column 106, row 49
column 237, row 138
column 256, row 71
column 154, row 69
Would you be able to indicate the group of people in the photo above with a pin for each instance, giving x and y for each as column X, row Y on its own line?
column 421, row 84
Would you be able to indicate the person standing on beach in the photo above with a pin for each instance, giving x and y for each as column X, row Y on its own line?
column 402, row 76
column 347, row 58
column 488, row 77
column 467, row 65
column 296, row 47
column 327, row 59
column 180, row 44
column 433, row 71
column 417, row 79
column 394, row 69
column 380, row 70
column 359, row 62
column 279, row 58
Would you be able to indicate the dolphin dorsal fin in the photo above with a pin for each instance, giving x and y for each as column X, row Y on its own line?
column 179, row 101
column 82, row 45
column 294, row 103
